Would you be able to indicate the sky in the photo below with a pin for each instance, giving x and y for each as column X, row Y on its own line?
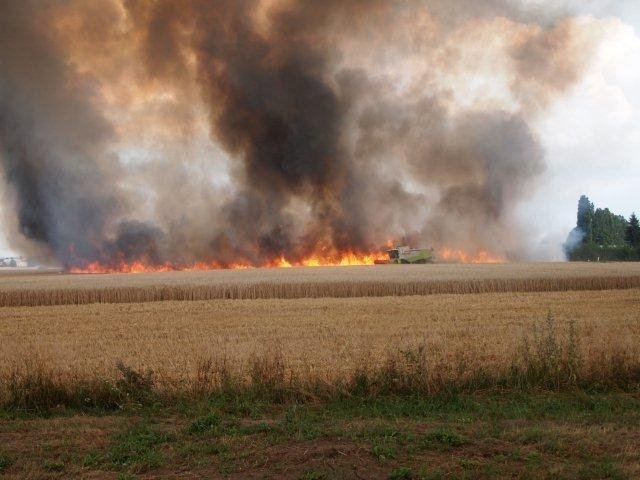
column 591, row 137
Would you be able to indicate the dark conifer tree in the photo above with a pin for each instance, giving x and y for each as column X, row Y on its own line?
column 633, row 232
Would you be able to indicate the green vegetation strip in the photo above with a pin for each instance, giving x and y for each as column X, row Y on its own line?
column 493, row 435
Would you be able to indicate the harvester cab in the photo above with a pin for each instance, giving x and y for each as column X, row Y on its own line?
column 408, row 255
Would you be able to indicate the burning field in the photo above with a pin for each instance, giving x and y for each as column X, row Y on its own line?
column 217, row 162
column 348, row 259
column 155, row 135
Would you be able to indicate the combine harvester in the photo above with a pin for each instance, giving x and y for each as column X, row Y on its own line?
column 408, row 255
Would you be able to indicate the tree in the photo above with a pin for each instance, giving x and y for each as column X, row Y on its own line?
column 585, row 218
column 601, row 235
column 633, row 232
column 608, row 229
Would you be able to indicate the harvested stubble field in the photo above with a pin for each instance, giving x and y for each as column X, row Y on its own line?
column 379, row 281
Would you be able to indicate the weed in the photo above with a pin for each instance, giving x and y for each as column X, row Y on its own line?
column 226, row 468
column 383, row 451
column 134, row 385
column 127, row 476
column 532, row 460
column 300, row 423
column 137, row 448
column 431, row 474
column 205, row 424
column 53, row 466
column 542, row 438
column 384, row 441
column 198, row 453
column 35, row 388
column 468, row 464
column 258, row 428
column 402, row 473
column 549, row 359
column 602, row 470
column 5, row 463
column 533, row 435
column 218, row 449
column 268, row 378
column 313, row 475
column 443, row 440
column 92, row 460
column 494, row 469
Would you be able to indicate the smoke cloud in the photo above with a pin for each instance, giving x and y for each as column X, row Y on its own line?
column 246, row 131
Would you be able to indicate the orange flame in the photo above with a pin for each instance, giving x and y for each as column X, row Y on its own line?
column 345, row 259
column 461, row 256
column 349, row 258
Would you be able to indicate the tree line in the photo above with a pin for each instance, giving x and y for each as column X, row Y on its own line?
column 601, row 235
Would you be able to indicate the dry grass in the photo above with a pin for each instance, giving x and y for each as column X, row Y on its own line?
column 60, row 289
column 434, row 340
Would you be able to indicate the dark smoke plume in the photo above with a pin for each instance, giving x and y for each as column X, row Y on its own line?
column 334, row 125
column 54, row 145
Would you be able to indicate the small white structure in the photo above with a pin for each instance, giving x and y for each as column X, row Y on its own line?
column 14, row 262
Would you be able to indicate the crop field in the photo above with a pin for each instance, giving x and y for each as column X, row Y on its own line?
column 527, row 371
column 328, row 338
column 370, row 281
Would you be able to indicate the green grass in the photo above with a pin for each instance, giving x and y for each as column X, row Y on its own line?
column 384, row 451
column 127, row 476
column 5, row 462
column 507, row 405
column 199, row 453
column 493, row 435
column 301, row 422
column 442, row 439
column 206, row 424
column 53, row 466
column 137, row 448
column 427, row 473
column 599, row 470
column 313, row 475
column 402, row 473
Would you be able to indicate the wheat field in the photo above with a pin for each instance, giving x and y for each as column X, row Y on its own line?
column 327, row 339
column 345, row 282
column 424, row 327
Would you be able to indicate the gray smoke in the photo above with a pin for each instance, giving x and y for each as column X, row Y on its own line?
column 54, row 147
column 327, row 152
column 575, row 238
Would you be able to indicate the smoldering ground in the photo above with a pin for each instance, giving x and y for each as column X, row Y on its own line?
column 167, row 131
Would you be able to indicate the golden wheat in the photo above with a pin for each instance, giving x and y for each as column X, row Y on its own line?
column 314, row 338
column 59, row 289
